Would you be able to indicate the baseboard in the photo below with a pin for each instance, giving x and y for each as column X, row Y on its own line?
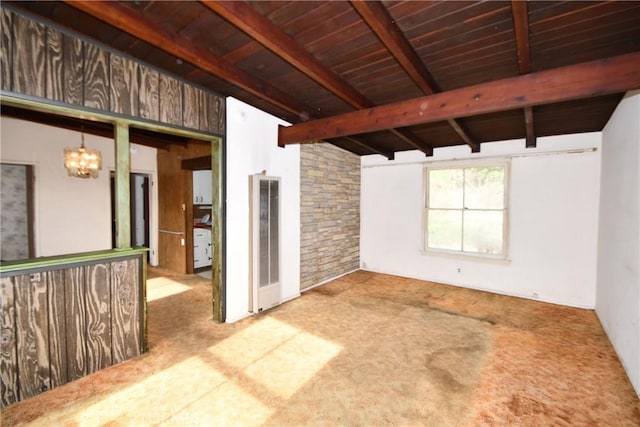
column 324, row 282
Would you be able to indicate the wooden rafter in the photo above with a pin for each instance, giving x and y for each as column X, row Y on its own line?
column 136, row 24
column 356, row 141
column 602, row 77
column 273, row 38
column 520, row 13
column 390, row 34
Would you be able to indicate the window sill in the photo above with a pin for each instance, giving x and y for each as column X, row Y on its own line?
column 466, row 257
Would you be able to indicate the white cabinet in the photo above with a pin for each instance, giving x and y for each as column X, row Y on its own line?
column 201, row 247
column 202, row 187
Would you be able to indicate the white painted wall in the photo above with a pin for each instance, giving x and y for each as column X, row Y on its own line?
column 618, row 276
column 71, row 214
column 552, row 230
column 252, row 147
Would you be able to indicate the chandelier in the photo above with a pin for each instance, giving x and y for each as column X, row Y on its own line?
column 82, row 163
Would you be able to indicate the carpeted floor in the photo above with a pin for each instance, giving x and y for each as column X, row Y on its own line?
column 367, row 349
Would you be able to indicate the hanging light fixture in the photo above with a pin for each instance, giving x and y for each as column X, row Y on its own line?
column 82, row 163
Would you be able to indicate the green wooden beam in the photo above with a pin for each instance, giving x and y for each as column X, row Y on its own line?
column 216, row 230
column 123, row 191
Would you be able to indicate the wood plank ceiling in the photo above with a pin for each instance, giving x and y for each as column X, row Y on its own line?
column 307, row 60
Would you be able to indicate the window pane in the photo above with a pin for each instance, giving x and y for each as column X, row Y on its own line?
column 484, row 187
column 445, row 188
column 273, row 233
column 264, row 233
column 445, row 229
column 483, row 232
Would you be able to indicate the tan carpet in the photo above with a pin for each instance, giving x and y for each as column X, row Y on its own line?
column 366, row 349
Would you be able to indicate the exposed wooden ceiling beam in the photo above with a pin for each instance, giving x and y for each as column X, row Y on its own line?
column 390, row 34
column 519, row 10
column 135, row 23
column 606, row 76
column 246, row 18
column 389, row 155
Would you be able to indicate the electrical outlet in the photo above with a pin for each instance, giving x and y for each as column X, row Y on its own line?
column 459, row 270
column 535, row 295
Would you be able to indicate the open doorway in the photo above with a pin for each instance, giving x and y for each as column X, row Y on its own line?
column 140, row 201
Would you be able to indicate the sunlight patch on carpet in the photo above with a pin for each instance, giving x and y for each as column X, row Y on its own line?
column 161, row 288
column 277, row 355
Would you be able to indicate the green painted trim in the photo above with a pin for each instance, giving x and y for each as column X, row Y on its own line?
column 144, row 330
column 77, row 111
column 123, row 186
column 216, row 231
column 59, row 260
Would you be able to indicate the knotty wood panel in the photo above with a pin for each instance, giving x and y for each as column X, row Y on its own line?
column 73, row 70
column 125, row 309
column 98, row 326
column 8, row 363
column 6, row 58
column 123, row 85
column 216, row 114
column 190, row 111
column 149, row 93
column 204, row 116
column 54, row 75
column 170, row 100
column 75, row 322
column 96, row 77
column 28, row 57
column 32, row 334
column 57, row 329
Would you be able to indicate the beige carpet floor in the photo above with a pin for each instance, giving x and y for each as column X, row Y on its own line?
column 364, row 350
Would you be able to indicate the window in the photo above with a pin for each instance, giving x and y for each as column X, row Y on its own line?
column 466, row 209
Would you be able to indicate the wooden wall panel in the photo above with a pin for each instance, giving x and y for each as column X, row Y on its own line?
column 125, row 310
column 33, row 334
column 204, row 116
column 57, row 327
column 75, row 322
column 123, row 84
column 190, row 110
column 170, row 100
column 216, row 114
column 54, row 76
column 73, row 71
column 28, row 57
column 96, row 77
column 6, row 57
column 149, row 93
column 98, row 308
column 8, row 358
column 42, row 61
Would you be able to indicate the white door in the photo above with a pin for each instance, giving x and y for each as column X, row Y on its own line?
column 265, row 228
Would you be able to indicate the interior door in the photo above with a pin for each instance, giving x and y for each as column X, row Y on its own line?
column 265, row 229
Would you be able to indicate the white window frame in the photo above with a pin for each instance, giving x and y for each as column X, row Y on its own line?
column 506, row 164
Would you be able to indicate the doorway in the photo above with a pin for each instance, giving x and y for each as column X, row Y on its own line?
column 139, row 201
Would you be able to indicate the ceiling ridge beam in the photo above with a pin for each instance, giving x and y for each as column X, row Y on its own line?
column 135, row 23
column 246, row 18
column 387, row 30
column 520, row 12
column 590, row 79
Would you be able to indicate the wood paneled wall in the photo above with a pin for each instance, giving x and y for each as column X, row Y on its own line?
column 62, row 324
column 41, row 61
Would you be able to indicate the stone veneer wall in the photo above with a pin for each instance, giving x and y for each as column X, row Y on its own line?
column 329, row 213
